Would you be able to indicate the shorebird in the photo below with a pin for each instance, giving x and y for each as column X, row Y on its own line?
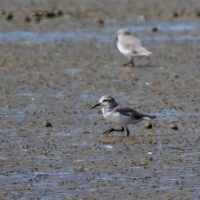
column 118, row 114
column 130, row 46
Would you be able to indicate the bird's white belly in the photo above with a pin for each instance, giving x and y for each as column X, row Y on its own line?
column 125, row 51
column 117, row 118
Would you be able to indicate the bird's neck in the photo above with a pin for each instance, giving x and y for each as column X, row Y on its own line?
column 109, row 107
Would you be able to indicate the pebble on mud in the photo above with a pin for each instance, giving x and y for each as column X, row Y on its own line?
column 2, row 12
column 154, row 29
column 50, row 14
column 31, row 123
column 37, row 19
column 173, row 127
column 37, row 14
column 176, row 76
column 175, row 14
column 9, row 17
column 94, row 123
column 85, row 132
column 198, row 14
column 100, row 22
column 47, row 124
column 59, row 12
column 149, row 125
column 27, row 19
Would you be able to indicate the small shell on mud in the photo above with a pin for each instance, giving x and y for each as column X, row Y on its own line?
column 47, row 124
column 173, row 127
column 149, row 125
column 100, row 22
column 2, row 12
column 27, row 19
column 9, row 17
column 85, row 132
column 175, row 14
column 154, row 29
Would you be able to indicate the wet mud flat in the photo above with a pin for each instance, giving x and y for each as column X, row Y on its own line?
column 55, row 77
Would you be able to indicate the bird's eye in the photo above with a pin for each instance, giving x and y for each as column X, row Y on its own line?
column 105, row 100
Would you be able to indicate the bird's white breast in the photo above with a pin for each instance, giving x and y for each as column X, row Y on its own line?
column 117, row 118
column 125, row 51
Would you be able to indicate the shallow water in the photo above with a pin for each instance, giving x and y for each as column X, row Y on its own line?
column 103, row 34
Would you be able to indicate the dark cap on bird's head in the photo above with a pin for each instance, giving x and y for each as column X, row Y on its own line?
column 123, row 31
column 103, row 100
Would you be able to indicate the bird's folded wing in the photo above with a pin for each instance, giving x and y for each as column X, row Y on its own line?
column 130, row 42
column 134, row 45
column 129, row 112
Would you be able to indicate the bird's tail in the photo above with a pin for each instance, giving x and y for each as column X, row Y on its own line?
column 148, row 117
column 144, row 52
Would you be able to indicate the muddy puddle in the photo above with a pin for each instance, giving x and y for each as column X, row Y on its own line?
column 51, row 143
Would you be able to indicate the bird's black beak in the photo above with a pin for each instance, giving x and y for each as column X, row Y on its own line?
column 115, row 40
column 95, row 105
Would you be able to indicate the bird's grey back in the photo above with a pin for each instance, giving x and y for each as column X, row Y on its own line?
column 129, row 112
column 133, row 44
column 129, row 41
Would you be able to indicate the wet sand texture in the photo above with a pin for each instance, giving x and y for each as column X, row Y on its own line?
column 57, row 60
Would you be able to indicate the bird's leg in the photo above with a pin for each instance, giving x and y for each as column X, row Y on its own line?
column 126, row 63
column 120, row 130
column 108, row 131
column 132, row 62
column 112, row 129
column 127, row 131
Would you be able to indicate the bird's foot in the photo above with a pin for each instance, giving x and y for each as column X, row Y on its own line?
column 109, row 131
column 125, row 64
column 130, row 62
